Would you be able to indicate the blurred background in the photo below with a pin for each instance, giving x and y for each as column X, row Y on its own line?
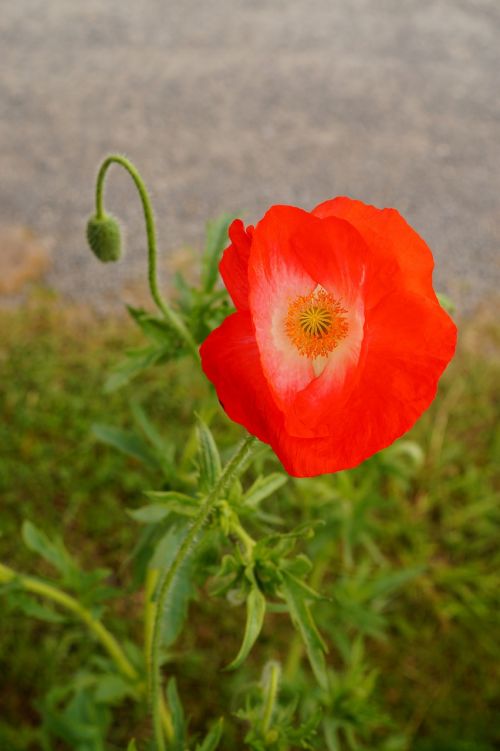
column 233, row 105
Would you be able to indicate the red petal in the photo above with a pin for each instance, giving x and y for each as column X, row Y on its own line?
column 408, row 343
column 234, row 264
column 400, row 258
column 230, row 359
column 336, row 257
column 277, row 276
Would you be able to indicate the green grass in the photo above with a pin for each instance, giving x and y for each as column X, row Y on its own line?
column 436, row 664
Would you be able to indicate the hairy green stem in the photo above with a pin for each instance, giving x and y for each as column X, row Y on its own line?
column 165, row 585
column 49, row 592
column 171, row 316
column 150, row 608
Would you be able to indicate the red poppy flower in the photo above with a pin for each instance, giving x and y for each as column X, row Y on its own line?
column 338, row 341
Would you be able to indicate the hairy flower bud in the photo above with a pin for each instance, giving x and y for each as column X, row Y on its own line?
column 104, row 237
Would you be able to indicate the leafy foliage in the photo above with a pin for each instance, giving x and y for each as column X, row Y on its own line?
column 361, row 592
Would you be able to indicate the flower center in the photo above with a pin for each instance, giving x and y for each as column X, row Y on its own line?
column 316, row 323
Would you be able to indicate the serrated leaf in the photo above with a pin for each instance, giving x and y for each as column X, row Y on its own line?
column 208, row 454
column 256, row 609
column 217, row 240
column 264, row 487
column 179, row 724
column 300, row 613
column 151, row 514
column 126, row 442
column 213, row 737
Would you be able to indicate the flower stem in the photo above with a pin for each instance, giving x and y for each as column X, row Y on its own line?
column 165, row 585
column 171, row 316
column 150, row 608
column 49, row 592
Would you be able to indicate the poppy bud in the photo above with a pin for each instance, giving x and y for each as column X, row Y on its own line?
column 104, row 237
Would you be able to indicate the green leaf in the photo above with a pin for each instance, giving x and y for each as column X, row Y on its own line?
column 144, row 423
column 170, row 496
column 111, row 689
column 177, row 503
column 299, row 567
column 156, row 329
column 182, row 588
column 256, row 608
column 385, row 585
column 300, row 613
column 53, row 552
column 151, row 514
column 81, row 723
column 212, row 738
column 178, row 721
column 209, row 459
column 410, row 450
column 217, row 240
column 264, row 487
column 135, row 362
column 126, row 442
column 33, row 608
column 132, row 746
column 446, row 302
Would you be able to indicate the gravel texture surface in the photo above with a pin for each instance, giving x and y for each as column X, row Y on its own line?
column 232, row 105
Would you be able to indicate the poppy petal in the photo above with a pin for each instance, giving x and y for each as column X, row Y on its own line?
column 408, row 342
column 230, row 359
column 277, row 277
column 337, row 258
column 234, row 264
column 399, row 255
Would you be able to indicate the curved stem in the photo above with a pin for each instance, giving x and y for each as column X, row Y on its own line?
column 165, row 585
column 49, row 592
column 161, row 303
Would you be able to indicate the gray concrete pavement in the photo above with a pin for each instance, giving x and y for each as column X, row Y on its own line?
column 238, row 104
